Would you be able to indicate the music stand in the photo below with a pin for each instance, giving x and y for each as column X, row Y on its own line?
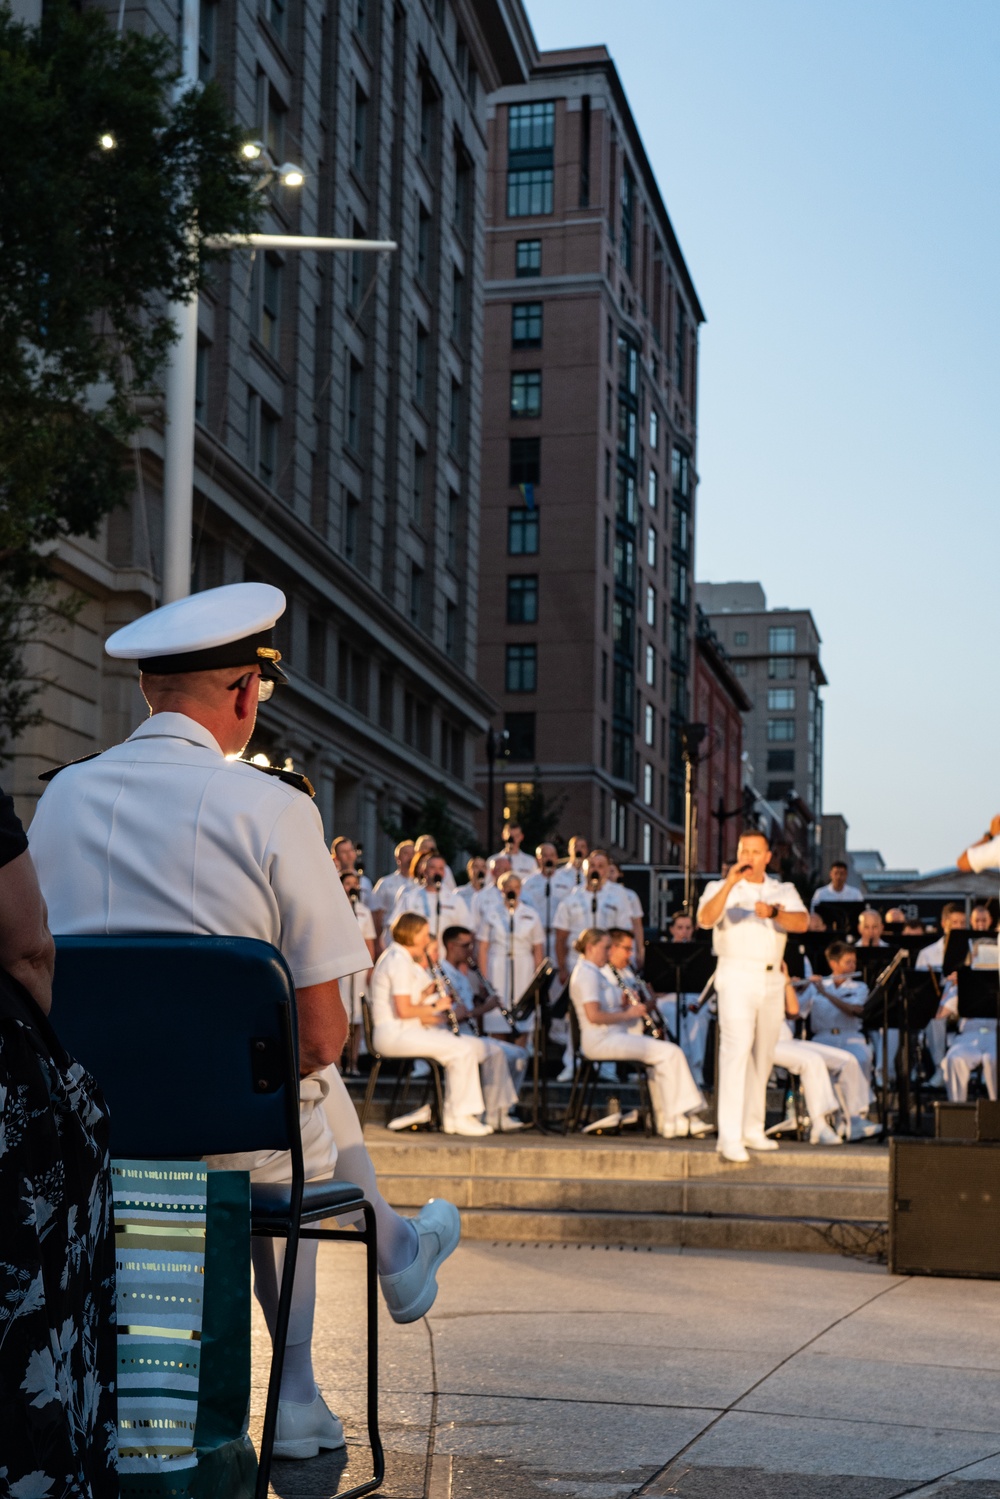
column 811, row 945
column 872, row 960
column 681, row 968
column 979, row 994
column 532, row 1001
column 881, row 1008
column 841, row 916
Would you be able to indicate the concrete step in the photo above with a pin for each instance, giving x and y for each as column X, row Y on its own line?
column 651, row 1230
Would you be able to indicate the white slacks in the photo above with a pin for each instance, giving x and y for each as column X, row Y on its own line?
column 459, row 1055
column 832, row 1078
column 855, row 1044
column 971, row 1049
column 694, row 1031
column 751, row 1009
column 936, row 1037
column 672, row 1089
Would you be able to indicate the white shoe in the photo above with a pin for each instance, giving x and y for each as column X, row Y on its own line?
column 302, row 1430
column 420, row 1068
column 608, row 1072
column 736, row 1153
column 565, row 1076
column 610, row 1121
column 824, row 1135
column 468, row 1126
column 631, row 1116
column 411, row 1120
column 760, row 1143
column 508, row 1124
column 698, row 1127
column 863, row 1129
column 410, row 1293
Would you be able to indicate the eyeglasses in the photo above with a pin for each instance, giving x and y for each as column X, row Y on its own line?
column 265, row 686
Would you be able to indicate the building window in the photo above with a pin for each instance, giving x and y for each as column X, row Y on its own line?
column 522, row 668
column 267, row 425
column 428, row 121
column 781, row 668
column 647, row 784
column 529, row 193
column 780, row 699
column 463, row 192
column 454, row 513
column 520, row 729
column 526, row 325
column 420, row 365
column 531, row 127
column 276, row 16
column 416, row 594
column 530, row 139
column 780, row 729
column 517, row 796
column 360, row 132
column 525, row 460
column 457, row 304
column 353, row 431
column 650, row 718
column 654, row 430
column 628, row 205
column 650, row 666
column 739, row 668
column 526, row 393
column 206, row 39
column 652, row 486
column 647, row 843
column 528, row 257
column 385, row 701
column 455, row 418
column 316, row 650
column 625, row 564
column 740, row 637
column 522, row 533
column 419, row 482
column 201, row 381
column 270, row 304
column 522, row 599
column 450, row 627
column 650, row 547
column 778, row 790
column 781, row 639
column 651, row 605
column 604, row 676
column 423, row 242
column 352, row 509
column 781, row 759
column 625, row 503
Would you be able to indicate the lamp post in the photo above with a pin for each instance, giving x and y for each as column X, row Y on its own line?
column 497, row 748
column 692, row 735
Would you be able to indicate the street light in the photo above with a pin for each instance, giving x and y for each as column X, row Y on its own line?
column 497, row 748
column 692, row 735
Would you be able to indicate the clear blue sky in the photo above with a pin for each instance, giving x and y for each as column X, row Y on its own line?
column 831, row 168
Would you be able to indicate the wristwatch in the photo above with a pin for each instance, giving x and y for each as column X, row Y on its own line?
column 774, row 912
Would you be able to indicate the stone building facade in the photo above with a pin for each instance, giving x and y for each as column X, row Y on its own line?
column 589, row 462
column 339, row 396
column 719, row 704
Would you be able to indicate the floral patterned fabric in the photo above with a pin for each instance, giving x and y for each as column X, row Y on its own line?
column 58, row 1435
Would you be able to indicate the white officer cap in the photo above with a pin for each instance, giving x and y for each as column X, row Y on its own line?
column 229, row 626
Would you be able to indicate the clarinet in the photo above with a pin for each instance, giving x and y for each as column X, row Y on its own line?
column 652, row 1027
column 441, row 985
column 491, row 993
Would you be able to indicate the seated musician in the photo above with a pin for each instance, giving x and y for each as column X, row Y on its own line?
column 833, row 1083
column 871, row 929
column 475, row 1000
column 410, row 1011
column 836, row 1003
column 932, row 957
column 693, row 1023
column 981, row 919
column 974, row 1048
column 610, row 1014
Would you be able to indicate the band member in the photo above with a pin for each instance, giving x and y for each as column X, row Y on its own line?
column 985, row 854
column 635, row 906
column 693, row 1023
column 594, row 903
column 932, row 957
column 871, row 929
column 383, row 897
column 835, row 1006
column 750, row 915
column 832, row 1082
column 427, row 844
column 410, row 1014
column 478, row 1000
column 511, row 946
column 895, row 918
column 541, row 892
column 974, row 1047
column 356, row 984
column 570, row 876
column 520, row 862
column 838, row 889
column 981, row 919
column 345, row 856
column 426, row 895
column 611, row 1030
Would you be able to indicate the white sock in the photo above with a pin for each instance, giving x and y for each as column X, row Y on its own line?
column 297, row 1382
column 397, row 1238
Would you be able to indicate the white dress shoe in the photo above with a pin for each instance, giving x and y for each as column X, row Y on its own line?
column 303, row 1430
column 760, row 1142
column 410, row 1293
column 468, row 1126
column 698, row 1127
column 737, row 1153
column 409, row 1121
column 508, row 1124
column 824, row 1135
column 863, row 1129
column 565, row 1076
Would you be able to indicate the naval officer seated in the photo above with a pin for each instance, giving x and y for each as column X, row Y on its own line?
column 171, row 832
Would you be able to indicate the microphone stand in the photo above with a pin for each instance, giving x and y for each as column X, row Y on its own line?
column 510, row 955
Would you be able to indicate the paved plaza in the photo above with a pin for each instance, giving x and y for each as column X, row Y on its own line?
column 599, row 1373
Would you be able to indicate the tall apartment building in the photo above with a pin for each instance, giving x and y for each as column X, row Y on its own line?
column 338, row 409
column 589, row 477
column 775, row 653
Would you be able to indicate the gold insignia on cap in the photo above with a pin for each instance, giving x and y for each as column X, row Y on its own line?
column 268, row 653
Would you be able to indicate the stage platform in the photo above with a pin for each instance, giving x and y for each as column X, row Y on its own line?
column 637, row 1192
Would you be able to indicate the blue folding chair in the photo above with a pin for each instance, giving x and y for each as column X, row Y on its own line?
column 193, row 1041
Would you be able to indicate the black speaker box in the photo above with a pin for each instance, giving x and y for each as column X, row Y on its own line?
column 954, row 1121
column 944, row 1208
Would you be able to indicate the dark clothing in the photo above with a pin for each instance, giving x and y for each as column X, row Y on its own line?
column 57, row 1271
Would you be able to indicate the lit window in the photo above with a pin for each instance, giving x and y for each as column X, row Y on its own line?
column 647, row 843
column 650, row 548
column 650, row 715
column 647, row 784
column 651, row 605
column 651, row 489
column 654, row 425
column 650, row 666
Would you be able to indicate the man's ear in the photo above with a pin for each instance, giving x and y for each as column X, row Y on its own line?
column 246, row 699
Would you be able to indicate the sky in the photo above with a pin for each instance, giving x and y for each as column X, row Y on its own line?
column 831, row 169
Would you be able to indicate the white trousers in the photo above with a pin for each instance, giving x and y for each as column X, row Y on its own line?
column 876, row 1050
column 751, row 1009
column 832, row 1078
column 855, row 1044
column 694, row 1032
column 672, row 1089
column 936, row 1037
column 460, row 1057
column 971, row 1049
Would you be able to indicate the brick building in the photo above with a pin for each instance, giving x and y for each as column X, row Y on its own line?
column 719, row 704
column 589, row 477
column 338, row 410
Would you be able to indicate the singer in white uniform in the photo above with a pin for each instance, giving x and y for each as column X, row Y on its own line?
column 511, row 946
column 383, row 897
column 428, row 896
column 543, row 892
column 353, row 988
column 750, row 915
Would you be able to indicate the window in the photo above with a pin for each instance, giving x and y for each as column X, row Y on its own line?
column 654, row 429
column 625, row 503
column 781, row 668
column 781, row 759
column 604, row 609
column 416, row 593
column 604, row 676
column 650, row 666
column 419, row 483
column 739, row 668
column 522, row 668
column 522, row 599
column 516, row 798
column 526, row 393
column 316, row 650
column 450, row 627
column 360, row 131
column 740, row 637
column 270, row 304
column 361, row 17
column 352, row 508
column 276, row 16
column 206, row 39
column 779, row 729
column 607, row 542
column 681, row 466
column 647, row 843
column 652, row 485
column 353, row 430
column 780, row 699
column 526, row 325
column 420, row 365
column 647, row 784
column 423, row 242
column 520, row 729
column 457, row 304
column 525, row 460
column 201, row 381
column 584, row 193
column 385, row 701
column 781, row 639
column 267, row 451
column 530, row 139
column 428, row 121
column 778, row 790
column 454, row 514
column 455, row 417
column 651, row 605
column 650, row 547
column 531, row 127
column 271, row 118
column 528, row 257
column 529, row 193
column 625, row 563
column 650, row 724
column 463, row 191
column 522, row 533
column 357, row 268
column 628, row 201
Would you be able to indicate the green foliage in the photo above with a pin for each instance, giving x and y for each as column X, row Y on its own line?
column 432, row 817
column 539, row 817
column 93, row 245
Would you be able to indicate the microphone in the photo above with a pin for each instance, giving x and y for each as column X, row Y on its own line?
column 510, row 898
column 548, row 865
column 434, row 882
column 594, row 879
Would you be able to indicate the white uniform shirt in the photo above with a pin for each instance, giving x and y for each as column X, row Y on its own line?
column 495, row 929
column 521, row 864
column 740, row 933
column 931, row 956
column 626, row 979
column 984, row 855
column 443, row 908
column 635, row 904
column 164, row 834
column 481, row 903
column 365, row 920
column 352, row 988
column 543, row 896
column 566, row 878
column 396, row 972
column 591, row 985
column 827, row 893
column 824, row 1015
column 576, row 912
column 385, row 892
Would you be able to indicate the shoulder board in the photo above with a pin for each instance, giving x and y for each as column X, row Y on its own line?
column 290, row 777
column 50, row 775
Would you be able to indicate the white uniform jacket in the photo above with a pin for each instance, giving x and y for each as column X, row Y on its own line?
column 740, row 935
column 827, row 893
column 442, row 908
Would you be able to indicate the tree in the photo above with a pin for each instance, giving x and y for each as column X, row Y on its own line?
column 109, row 186
column 434, row 817
column 539, row 815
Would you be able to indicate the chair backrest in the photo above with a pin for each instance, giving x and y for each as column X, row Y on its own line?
column 369, row 1027
column 191, row 1039
column 574, row 1028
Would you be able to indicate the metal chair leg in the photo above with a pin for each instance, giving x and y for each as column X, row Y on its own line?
column 370, row 1090
column 278, row 1342
column 571, row 1104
